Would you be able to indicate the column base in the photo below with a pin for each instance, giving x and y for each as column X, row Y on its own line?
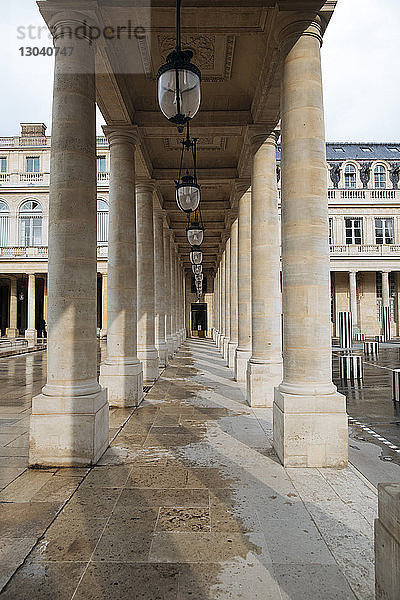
column 124, row 382
column 311, row 431
column 11, row 332
column 262, row 379
column 162, row 350
column 214, row 334
column 242, row 357
column 221, row 343
column 68, row 431
column 225, row 349
column 170, row 345
column 149, row 359
column 103, row 334
column 31, row 336
column 231, row 354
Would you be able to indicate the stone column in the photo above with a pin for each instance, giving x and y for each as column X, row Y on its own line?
column 31, row 332
column 385, row 289
column 264, row 369
column 147, row 352
column 353, row 300
column 243, row 350
column 12, row 331
column 45, row 279
column 216, row 315
column 227, row 299
column 223, row 288
column 121, row 372
column 159, row 281
column 167, row 277
column 233, row 342
column 69, row 422
column 310, row 421
column 104, row 295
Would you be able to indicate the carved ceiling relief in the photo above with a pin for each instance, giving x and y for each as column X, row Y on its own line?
column 207, row 144
column 202, row 46
column 211, row 53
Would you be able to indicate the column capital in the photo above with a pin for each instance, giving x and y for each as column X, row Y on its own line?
column 257, row 136
column 291, row 31
column 145, row 185
column 385, row 271
column 71, row 24
column 121, row 134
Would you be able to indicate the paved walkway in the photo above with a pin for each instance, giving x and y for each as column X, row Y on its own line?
column 189, row 502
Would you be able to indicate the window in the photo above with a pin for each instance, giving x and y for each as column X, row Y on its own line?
column 350, row 176
column 3, row 164
column 330, row 231
column 4, row 223
column 384, row 231
column 30, row 224
column 101, row 164
column 380, row 176
column 32, row 164
column 102, row 221
column 353, row 231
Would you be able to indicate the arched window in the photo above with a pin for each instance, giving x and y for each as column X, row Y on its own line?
column 4, row 223
column 30, row 223
column 350, row 176
column 102, row 222
column 380, row 176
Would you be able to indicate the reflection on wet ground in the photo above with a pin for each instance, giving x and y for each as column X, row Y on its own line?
column 189, row 502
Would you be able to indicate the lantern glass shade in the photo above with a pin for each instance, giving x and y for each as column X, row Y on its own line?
column 179, row 93
column 188, row 194
column 195, row 236
column 197, row 269
column 196, row 257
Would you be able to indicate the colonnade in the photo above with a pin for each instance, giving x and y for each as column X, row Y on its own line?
column 145, row 299
column 287, row 370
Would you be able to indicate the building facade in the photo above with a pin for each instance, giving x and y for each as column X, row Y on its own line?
column 364, row 235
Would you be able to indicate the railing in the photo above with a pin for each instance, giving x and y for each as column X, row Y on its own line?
column 363, row 194
column 369, row 249
column 103, row 176
column 34, row 141
column 4, row 177
column 39, row 252
column 101, row 140
column 31, row 177
column 17, row 141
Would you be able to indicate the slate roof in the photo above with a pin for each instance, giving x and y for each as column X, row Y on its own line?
column 340, row 151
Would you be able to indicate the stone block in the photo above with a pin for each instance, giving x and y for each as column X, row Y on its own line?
column 387, row 543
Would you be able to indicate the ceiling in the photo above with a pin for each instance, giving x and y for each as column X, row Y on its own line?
column 235, row 45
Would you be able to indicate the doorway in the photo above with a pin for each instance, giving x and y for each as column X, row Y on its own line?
column 199, row 319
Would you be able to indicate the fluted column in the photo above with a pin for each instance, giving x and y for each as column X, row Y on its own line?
column 122, row 372
column 12, row 331
column 160, row 288
column 233, row 342
column 31, row 332
column 167, row 278
column 104, row 294
column 385, row 289
column 353, row 300
column 243, row 350
column 69, row 422
column 264, row 369
column 310, row 421
column 147, row 351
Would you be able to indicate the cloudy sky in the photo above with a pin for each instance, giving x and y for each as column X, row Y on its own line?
column 360, row 57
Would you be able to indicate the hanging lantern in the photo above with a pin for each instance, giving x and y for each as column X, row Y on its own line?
column 196, row 256
column 199, row 277
column 178, row 82
column 197, row 269
column 187, row 194
column 187, row 189
column 195, row 230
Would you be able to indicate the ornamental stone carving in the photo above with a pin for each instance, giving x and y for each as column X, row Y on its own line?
column 394, row 175
column 365, row 174
column 334, row 172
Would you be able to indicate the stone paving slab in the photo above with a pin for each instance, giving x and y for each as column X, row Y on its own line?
column 189, row 502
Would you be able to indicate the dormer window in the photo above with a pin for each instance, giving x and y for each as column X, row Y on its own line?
column 366, row 149
column 338, row 149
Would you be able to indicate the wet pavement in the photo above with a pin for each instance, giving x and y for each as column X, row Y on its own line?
column 189, row 501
